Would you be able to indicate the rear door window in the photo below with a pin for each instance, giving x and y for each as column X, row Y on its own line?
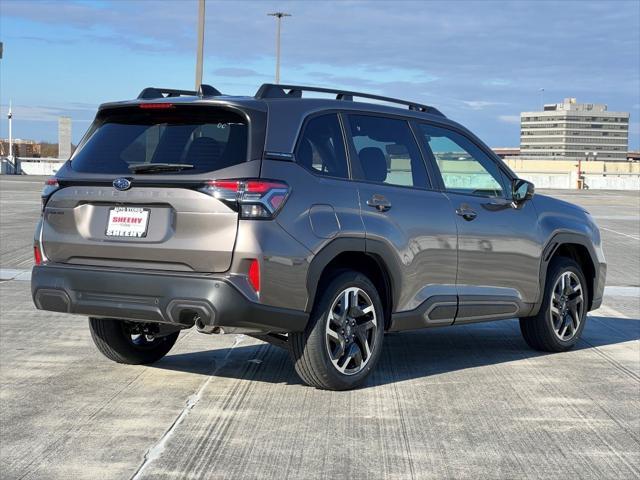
column 321, row 147
column 387, row 152
column 207, row 139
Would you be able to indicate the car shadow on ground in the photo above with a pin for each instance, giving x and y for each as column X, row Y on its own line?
column 406, row 355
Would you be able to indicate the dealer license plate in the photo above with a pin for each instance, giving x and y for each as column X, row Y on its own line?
column 128, row 222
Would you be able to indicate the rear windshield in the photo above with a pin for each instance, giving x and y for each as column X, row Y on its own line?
column 206, row 138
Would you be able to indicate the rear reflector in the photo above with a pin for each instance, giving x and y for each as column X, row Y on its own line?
column 37, row 255
column 155, row 106
column 254, row 275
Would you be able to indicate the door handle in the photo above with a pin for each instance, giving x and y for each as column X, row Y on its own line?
column 379, row 202
column 466, row 213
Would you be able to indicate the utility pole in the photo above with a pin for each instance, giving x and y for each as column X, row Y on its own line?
column 200, row 43
column 279, row 16
column 10, row 117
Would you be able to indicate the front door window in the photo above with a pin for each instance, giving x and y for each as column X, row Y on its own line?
column 464, row 167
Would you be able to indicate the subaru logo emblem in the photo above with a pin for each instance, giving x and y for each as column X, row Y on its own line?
column 121, row 184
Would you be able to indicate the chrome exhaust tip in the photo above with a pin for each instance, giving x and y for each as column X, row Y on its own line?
column 205, row 328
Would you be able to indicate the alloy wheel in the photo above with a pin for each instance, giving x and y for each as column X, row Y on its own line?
column 567, row 305
column 350, row 331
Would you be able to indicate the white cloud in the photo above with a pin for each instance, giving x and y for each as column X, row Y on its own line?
column 28, row 113
column 44, row 114
column 509, row 118
column 481, row 104
column 496, row 82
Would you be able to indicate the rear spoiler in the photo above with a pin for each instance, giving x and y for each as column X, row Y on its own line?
column 204, row 90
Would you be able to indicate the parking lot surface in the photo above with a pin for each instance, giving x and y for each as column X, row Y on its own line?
column 460, row 402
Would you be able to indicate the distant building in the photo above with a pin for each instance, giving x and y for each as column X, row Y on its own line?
column 64, row 138
column 21, row 148
column 504, row 152
column 569, row 130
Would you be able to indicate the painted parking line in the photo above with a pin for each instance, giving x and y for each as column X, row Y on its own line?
column 622, row 291
column 620, row 233
column 15, row 274
column 8, row 180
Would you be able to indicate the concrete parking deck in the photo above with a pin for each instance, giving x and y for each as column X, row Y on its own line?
column 463, row 402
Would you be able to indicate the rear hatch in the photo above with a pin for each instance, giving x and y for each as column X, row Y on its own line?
column 131, row 195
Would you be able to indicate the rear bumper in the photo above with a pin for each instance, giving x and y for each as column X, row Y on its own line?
column 157, row 297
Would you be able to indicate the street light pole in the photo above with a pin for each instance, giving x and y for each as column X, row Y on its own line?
column 10, row 117
column 542, row 98
column 279, row 16
column 200, row 44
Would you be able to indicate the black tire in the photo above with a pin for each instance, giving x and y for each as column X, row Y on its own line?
column 309, row 350
column 113, row 339
column 538, row 331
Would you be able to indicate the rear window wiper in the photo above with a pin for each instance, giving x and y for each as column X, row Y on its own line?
column 159, row 167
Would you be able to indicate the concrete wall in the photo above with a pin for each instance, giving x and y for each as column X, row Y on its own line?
column 32, row 166
column 597, row 175
column 613, row 182
column 550, row 180
column 528, row 165
column 551, row 174
column 595, row 181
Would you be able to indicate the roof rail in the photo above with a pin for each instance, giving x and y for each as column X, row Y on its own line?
column 272, row 90
column 151, row 93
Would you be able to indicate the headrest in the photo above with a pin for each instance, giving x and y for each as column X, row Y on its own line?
column 304, row 155
column 374, row 164
column 203, row 150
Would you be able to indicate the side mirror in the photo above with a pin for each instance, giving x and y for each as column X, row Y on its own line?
column 522, row 190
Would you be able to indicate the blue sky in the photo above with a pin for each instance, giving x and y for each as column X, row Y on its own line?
column 480, row 62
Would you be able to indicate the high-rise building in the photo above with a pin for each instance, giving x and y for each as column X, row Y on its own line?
column 571, row 130
column 64, row 138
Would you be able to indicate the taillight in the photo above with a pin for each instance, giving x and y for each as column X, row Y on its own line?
column 254, row 275
column 37, row 255
column 50, row 186
column 254, row 199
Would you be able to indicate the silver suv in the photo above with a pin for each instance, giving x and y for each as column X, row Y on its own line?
column 317, row 224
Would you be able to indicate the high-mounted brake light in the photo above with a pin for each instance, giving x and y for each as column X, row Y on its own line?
column 155, row 106
column 50, row 186
column 254, row 198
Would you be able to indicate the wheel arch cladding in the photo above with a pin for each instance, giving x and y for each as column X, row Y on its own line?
column 334, row 258
column 578, row 249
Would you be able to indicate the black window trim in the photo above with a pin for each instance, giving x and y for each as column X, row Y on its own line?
column 301, row 132
column 508, row 194
column 351, row 151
